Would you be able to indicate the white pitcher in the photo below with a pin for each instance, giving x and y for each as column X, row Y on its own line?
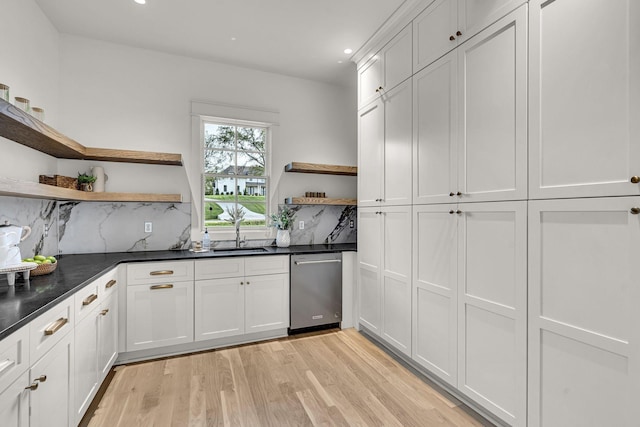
column 101, row 178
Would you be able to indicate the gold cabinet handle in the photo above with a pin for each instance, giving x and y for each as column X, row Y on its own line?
column 110, row 284
column 56, row 326
column 88, row 300
column 635, row 211
column 161, row 273
column 167, row 286
column 35, row 383
column 104, row 312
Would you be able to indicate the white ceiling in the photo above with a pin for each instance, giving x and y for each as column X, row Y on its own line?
column 302, row 38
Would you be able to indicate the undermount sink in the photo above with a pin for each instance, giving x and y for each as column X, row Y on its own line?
column 245, row 250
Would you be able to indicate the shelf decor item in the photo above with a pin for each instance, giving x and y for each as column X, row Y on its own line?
column 85, row 182
column 59, row 181
column 283, row 221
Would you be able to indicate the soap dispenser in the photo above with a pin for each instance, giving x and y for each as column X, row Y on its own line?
column 206, row 240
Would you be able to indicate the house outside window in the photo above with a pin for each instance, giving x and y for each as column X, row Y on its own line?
column 235, row 174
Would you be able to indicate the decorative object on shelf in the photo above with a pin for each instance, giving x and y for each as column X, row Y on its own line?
column 283, row 221
column 316, row 194
column 101, row 178
column 59, row 181
column 38, row 113
column 22, row 103
column 85, row 182
column 4, row 92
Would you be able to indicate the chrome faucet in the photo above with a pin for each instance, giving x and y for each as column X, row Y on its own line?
column 238, row 241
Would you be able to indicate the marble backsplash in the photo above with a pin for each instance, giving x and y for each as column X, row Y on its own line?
column 86, row 227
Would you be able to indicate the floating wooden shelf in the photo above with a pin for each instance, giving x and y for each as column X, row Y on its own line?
column 24, row 129
column 319, row 201
column 321, row 169
column 14, row 187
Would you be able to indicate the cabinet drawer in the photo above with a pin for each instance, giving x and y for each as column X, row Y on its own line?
column 86, row 300
column 14, row 356
column 155, row 272
column 51, row 327
column 107, row 284
column 219, row 268
column 270, row 264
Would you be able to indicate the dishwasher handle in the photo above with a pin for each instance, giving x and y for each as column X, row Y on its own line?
column 322, row 261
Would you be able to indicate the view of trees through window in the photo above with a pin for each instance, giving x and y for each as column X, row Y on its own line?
column 235, row 175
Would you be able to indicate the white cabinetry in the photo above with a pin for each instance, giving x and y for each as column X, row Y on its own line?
column 96, row 338
column 159, row 304
column 386, row 69
column 385, row 148
column 241, row 295
column 445, row 24
column 584, row 343
column 14, row 377
column 470, row 119
column 385, row 274
column 469, row 314
column 585, row 98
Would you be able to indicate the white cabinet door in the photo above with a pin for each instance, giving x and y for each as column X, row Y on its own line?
column 266, row 302
column 108, row 335
column 435, row 132
column 584, row 342
column 435, row 297
column 370, row 153
column 51, row 401
column 159, row 315
column 14, row 403
column 476, row 15
column 369, row 81
column 85, row 372
column 397, row 145
column 434, row 32
column 585, row 103
column 396, row 277
column 492, row 307
column 219, row 308
column 492, row 154
column 369, row 270
column 396, row 58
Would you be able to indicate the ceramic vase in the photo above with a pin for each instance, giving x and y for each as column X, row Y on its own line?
column 283, row 239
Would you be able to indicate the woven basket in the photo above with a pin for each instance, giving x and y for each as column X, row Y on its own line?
column 43, row 269
column 59, row 181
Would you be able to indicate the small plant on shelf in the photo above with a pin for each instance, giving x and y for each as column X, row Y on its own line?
column 85, row 182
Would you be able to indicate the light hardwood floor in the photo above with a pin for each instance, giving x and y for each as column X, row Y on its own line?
column 332, row 378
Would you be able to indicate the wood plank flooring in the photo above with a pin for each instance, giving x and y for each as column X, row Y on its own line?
column 336, row 378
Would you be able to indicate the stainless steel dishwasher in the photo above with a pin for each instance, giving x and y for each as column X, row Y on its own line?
column 316, row 290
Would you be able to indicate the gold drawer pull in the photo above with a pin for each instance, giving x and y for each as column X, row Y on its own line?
column 161, row 273
column 104, row 312
column 88, row 300
column 110, row 284
column 34, row 384
column 167, row 286
column 56, row 326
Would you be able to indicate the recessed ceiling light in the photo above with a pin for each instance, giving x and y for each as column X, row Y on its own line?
column 233, row 39
column 140, row 1
column 339, row 62
column 348, row 51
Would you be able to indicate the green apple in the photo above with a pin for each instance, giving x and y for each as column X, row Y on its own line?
column 52, row 259
column 39, row 258
column 37, row 261
column 27, row 260
column 46, row 261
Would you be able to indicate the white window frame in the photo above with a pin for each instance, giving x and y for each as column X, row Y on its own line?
column 203, row 110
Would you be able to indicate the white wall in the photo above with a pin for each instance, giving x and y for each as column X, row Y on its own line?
column 29, row 66
column 115, row 96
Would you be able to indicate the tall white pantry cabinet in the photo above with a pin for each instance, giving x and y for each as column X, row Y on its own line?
column 523, row 233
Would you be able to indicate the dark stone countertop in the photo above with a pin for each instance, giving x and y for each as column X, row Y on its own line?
column 25, row 301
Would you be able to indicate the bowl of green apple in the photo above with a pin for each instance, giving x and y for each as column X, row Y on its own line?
column 46, row 264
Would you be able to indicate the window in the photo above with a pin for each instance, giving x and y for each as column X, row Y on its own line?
column 235, row 174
